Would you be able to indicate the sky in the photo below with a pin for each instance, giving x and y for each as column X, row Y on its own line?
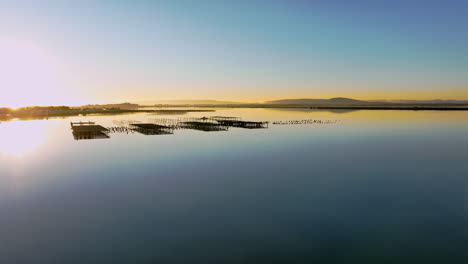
column 98, row 51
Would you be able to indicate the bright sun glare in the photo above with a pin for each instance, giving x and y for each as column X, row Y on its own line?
column 20, row 138
column 29, row 76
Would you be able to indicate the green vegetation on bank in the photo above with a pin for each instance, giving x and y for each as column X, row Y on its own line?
column 54, row 111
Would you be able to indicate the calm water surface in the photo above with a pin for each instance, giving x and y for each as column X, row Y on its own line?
column 376, row 187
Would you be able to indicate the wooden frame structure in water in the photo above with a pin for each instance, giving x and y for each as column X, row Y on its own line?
column 88, row 130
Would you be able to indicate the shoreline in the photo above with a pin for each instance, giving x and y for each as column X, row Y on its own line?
column 55, row 112
column 36, row 113
column 335, row 107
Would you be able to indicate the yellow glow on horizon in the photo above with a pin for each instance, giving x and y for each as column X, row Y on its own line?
column 363, row 92
column 457, row 93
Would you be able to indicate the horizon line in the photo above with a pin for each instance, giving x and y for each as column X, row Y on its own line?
column 154, row 102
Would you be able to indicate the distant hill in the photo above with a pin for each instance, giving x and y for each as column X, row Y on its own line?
column 120, row 106
column 337, row 101
column 436, row 101
column 190, row 102
column 332, row 101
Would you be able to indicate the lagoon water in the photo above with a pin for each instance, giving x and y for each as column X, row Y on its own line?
column 376, row 187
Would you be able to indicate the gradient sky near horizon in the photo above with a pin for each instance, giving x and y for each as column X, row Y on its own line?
column 78, row 52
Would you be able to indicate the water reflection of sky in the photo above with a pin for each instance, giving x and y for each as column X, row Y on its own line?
column 375, row 186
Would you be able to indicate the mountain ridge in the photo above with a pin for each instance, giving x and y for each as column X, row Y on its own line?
column 188, row 102
column 334, row 101
column 350, row 101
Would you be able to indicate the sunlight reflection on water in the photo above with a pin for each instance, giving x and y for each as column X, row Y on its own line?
column 19, row 138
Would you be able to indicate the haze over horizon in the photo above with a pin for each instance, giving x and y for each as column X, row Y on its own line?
column 85, row 52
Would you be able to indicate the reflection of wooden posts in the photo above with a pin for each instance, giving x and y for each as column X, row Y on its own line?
column 88, row 130
column 203, row 126
column 162, row 126
column 237, row 122
column 214, row 123
column 305, row 122
column 152, row 129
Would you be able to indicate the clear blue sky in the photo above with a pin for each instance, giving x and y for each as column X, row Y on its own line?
column 246, row 50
